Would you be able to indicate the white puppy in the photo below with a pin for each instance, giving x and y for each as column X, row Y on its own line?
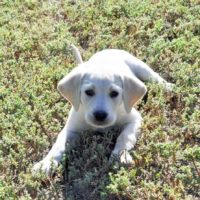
column 102, row 92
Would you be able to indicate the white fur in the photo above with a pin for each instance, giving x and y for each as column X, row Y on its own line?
column 77, row 54
column 106, row 72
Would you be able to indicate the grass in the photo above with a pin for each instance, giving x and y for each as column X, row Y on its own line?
column 34, row 56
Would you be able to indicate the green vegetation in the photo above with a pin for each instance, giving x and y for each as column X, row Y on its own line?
column 34, row 56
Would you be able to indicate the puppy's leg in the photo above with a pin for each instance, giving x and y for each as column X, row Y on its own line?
column 126, row 142
column 145, row 73
column 55, row 154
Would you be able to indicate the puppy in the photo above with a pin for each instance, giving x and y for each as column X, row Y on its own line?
column 102, row 92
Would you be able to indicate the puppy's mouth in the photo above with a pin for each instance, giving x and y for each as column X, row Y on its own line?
column 99, row 124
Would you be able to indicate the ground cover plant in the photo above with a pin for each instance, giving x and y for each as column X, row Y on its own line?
column 34, row 56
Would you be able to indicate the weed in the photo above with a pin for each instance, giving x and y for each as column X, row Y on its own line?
column 34, row 56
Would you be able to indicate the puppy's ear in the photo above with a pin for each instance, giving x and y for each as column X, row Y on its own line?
column 134, row 90
column 69, row 87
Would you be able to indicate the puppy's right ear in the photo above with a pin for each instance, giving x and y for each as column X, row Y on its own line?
column 69, row 87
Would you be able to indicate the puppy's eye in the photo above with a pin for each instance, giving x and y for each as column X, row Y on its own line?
column 89, row 93
column 114, row 94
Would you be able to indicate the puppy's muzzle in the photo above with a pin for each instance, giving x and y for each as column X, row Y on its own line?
column 100, row 116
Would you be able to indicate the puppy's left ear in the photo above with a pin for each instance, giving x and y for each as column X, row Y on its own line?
column 69, row 87
column 134, row 90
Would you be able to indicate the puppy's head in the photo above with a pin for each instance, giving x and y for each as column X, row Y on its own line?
column 101, row 95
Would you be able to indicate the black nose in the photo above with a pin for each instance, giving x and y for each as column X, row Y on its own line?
column 100, row 115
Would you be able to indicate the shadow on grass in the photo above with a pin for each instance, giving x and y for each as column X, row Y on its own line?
column 87, row 165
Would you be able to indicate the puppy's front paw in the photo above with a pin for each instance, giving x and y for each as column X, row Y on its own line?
column 123, row 157
column 45, row 166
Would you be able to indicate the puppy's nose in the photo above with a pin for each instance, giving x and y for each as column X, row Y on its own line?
column 100, row 115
